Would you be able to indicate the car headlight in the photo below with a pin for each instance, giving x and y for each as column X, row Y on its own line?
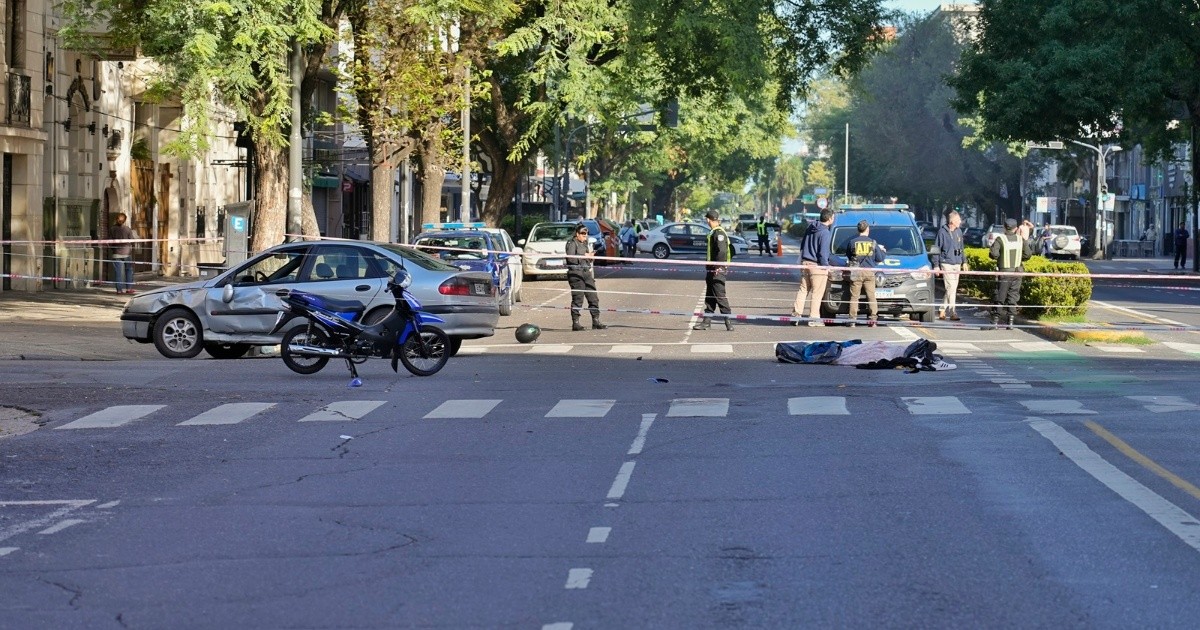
column 921, row 274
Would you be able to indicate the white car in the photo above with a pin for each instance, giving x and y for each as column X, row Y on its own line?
column 1064, row 241
column 682, row 238
column 545, row 249
column 992, row 233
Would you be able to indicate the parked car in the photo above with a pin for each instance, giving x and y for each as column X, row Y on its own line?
column 236, row 310
column 974, row 236
column 475, row 247
column 909, row 292
column 680, row 238
column 545, row 249
column 1064, row 242
column 748, row 230
column 991, row 234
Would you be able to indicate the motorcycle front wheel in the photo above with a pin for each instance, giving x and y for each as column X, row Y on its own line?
column 304, row 336
column 435, row 355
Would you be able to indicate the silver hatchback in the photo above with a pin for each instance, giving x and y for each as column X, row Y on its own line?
column 236, row 310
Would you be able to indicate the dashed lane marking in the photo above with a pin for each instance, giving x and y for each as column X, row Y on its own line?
column 1060, row 407
column 712, row 348
column 463, row 408
column 343, row 411
column 1164, row 404
column 935, row 406
column 114, row 416
column 578, row 578
column 551, row 349
column 581, row 408
column 698, row 408
column 818, row 406
column 231, row 413
column 631, row 349
column 598, row 534
column 1037, row 346
column 61, row 525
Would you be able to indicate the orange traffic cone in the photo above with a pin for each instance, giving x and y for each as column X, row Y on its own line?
column 779, row 245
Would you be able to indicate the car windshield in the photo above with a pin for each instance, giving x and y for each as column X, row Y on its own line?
column 899, row 240
column 551, row 233
column 1063, row 231
column 418, row 258
column 453, row 246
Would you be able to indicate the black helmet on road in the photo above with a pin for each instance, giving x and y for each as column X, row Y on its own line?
column 528, row 333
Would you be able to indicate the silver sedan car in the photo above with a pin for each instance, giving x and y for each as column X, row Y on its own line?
column 228, row 314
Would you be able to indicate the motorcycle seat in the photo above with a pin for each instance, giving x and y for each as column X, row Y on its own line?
column 331, row 304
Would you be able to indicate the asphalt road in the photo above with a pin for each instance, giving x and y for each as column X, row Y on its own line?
column 644, row 476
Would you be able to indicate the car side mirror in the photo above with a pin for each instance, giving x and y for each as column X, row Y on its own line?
column 502, row 257
column 227, row 294
column 934, row 249
column 521, row 242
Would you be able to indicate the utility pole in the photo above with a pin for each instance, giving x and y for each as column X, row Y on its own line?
column 1102, row 222
column 295, row 148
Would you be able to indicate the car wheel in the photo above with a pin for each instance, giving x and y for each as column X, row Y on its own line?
column 226, row 350
column 506, row 305
column 925, row 317
column 827, row 310
column 517, row 293
column 177, row 334
column 661, row 251
column 455, row 344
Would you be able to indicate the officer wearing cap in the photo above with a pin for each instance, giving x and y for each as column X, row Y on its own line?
column 1009, row 251
column 714, row 276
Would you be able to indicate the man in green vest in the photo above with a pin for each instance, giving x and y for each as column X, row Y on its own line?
column 1009, row 251
column 714, row 277
column 764, row 241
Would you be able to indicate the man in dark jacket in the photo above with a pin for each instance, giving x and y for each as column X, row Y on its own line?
column 949, row 261
column 579, row 276
column 121, row 252
column 715, row 273
column 1009, row 251
column 1181, row 239
column 862, row 254
column 814, row 272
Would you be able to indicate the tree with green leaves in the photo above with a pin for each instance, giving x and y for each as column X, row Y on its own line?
column 1097, row 71
column 229, row 54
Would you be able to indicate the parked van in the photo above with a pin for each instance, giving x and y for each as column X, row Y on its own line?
column 904, row 282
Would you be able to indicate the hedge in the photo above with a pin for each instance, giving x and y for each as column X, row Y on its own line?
column 1063, row 295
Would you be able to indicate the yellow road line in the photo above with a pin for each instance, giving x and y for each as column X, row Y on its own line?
column 1148, row 463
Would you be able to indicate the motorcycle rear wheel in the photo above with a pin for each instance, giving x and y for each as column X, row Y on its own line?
column 437, row 345
column 304, row 336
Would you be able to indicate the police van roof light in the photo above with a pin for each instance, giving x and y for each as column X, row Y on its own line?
column 453, row 226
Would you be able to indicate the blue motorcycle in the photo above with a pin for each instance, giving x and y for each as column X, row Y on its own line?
column 335, row 331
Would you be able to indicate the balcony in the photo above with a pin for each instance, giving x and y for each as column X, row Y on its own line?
column 19, row 87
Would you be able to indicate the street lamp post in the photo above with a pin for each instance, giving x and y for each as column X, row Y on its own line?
column 1101, row 153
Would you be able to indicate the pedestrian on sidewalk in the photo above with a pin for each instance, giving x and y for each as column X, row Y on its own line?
column 1181, row 239
column 579, row 275
column 862, row 253
column 949, row 261
column 1009, row 251
column 715, row 273
column 814, row 268
column 121, row 253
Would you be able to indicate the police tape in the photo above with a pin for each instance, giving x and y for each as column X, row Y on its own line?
column 86, row 282
column 73, row 242
column 884, row 323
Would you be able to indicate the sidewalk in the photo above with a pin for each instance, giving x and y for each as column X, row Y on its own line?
column 71, row 324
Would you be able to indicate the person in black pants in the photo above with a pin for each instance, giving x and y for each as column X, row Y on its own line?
column 715, row 274
column 1181, row 239
column 1009, row 251
column 579, row 276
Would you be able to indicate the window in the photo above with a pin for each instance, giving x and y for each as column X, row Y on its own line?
column 275, row 268
column 339, row 263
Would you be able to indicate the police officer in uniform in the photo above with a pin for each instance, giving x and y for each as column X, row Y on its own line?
column 1009, row 250
column 579, row 275
column 764, row 242
column 714, row 277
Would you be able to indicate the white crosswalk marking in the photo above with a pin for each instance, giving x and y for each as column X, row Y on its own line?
column 581, row 408
column 818, row 406
column 1164, row 404
column 112, row 417
column 1190, row 348
column 1120, row 349
column 934, row 405
column 947, row 346
column 231, row 413
column 630, row 349
column 1048, row 407
column 343, row 410
column 698, row 408
column 550, row 349
column 712, row 348
column 463, row 409
column 1037, row 346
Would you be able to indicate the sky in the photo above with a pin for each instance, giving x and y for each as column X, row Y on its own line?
column 920, row 6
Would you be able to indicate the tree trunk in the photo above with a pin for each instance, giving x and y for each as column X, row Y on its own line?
column 431, row 178
column 308, row 217
column 382, row 183
column 502, row 191
column 270, row 196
